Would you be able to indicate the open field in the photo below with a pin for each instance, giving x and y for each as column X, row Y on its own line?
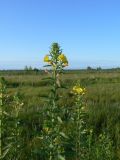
column 102, row 97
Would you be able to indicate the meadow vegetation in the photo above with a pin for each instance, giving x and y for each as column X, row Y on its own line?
column 50, row 116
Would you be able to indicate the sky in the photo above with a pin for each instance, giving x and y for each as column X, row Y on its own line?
column 88, row 31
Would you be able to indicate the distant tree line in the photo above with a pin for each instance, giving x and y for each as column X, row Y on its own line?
column 29, row 68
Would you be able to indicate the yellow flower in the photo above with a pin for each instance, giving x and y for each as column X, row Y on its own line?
column 78, row 90
column 62, row 58
column 46, row 58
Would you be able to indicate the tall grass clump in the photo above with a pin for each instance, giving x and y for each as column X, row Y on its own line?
column 9, row 123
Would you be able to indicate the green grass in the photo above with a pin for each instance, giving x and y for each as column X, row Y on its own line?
column 102, row 96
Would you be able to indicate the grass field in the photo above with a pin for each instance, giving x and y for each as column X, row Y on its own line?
column 102, row 97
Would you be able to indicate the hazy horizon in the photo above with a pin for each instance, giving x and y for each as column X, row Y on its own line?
column 18, row 65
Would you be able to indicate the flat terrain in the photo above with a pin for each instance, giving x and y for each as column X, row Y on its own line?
column 102, row 95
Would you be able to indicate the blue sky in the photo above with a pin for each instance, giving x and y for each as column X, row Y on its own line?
column 88, row 31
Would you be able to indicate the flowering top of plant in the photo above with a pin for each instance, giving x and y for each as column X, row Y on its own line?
column 56, row 58
column 61, row 59
column 77, row 90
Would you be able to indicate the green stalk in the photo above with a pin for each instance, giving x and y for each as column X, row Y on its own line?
column 53, row 106
column 78, row 125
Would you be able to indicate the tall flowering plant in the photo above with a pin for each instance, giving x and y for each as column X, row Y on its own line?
column 79, row 121
column 52, row 132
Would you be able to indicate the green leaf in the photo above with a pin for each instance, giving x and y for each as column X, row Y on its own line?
column 59, row 119
column 47, row 65
column 60, row 157
column 63, row 135
column 51, row 146
column 5, row 113
column 6, row 150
